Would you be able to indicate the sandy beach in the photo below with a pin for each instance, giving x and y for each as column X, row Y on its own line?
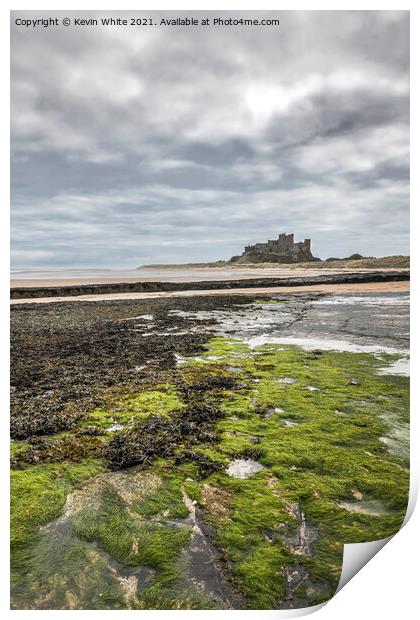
column 368, row 287
column 85, row 276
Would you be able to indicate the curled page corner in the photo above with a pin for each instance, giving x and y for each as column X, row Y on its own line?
column 305, row 611
column 278, row 614
column 412, row 496
column 357, row 555
column 275, row 614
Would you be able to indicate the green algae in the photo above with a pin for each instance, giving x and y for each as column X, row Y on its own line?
column 334, row 454
column 156, row 402
column 159, row 401
column 326, row 458
column 165, row 502
column 129, row 541
column 38, row 494
column 113, row 531
column 64, row 572
column 17, row 448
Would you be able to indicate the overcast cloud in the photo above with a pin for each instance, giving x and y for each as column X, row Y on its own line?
column 175, row 144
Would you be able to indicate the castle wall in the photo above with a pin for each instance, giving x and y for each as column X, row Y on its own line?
column 285, row 245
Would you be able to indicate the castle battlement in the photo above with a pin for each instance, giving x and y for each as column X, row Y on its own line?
column 283, row 249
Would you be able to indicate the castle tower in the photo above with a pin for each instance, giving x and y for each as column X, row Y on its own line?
column 281, row 250
column 285, row 239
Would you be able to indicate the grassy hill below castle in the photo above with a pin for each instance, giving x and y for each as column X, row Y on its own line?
column 384, row 262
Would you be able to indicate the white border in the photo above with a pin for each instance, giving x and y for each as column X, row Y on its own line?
column 386, row 586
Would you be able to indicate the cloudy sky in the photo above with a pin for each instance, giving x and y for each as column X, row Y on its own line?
column 172, row 144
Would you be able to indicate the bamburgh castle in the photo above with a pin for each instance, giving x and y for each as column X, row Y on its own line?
column 284, row 245
column 281, row 250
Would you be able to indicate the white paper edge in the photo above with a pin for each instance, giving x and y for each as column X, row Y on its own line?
column 357, row 555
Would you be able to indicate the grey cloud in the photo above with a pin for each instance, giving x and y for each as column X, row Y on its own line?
column 180, row 144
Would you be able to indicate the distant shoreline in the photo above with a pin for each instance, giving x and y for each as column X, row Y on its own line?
column 390, row 262
column 22, row 292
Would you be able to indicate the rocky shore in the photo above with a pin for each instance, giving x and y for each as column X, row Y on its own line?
column 139, row 287
column 203, row 452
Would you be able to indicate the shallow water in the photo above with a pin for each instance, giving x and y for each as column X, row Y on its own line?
column 205, row 566
column 363, row 324
column 156, row 273
column 244, row 468
column 398, row 440
column 146, row 317
column 399, row 367
column 372, row 507
column 115, row 427
column 310, row 343
column 67, row 572
column 122, row 274
column 365, row 300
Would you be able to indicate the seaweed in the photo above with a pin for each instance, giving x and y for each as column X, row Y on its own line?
column 280, row 533
column 206, row 465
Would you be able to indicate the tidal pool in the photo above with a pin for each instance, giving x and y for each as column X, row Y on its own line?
column 244, row 468
column 399, row 367
column 115, row 427
column 373, row 507
column 310, row 343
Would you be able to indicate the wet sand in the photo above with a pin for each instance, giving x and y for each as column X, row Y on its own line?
column 358, row 287
column 183, row 275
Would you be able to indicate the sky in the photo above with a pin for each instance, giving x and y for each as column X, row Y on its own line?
column 163, row 144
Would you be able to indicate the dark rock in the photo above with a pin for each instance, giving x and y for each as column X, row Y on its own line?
column 137, row 287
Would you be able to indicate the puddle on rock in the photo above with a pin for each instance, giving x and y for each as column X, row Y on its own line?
column 287, row 380
column 205, row 567
column 373, row 507
column 400, row 367
column 289, row 423
column 243, row 468
column 202, row 570
column 304, row 536
column 128, row 486
column 115, row 427
column 67, row 572
column 146, row 317
column 398, row 440
column 299, row 541
column 328, row 344
column 366, row 300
